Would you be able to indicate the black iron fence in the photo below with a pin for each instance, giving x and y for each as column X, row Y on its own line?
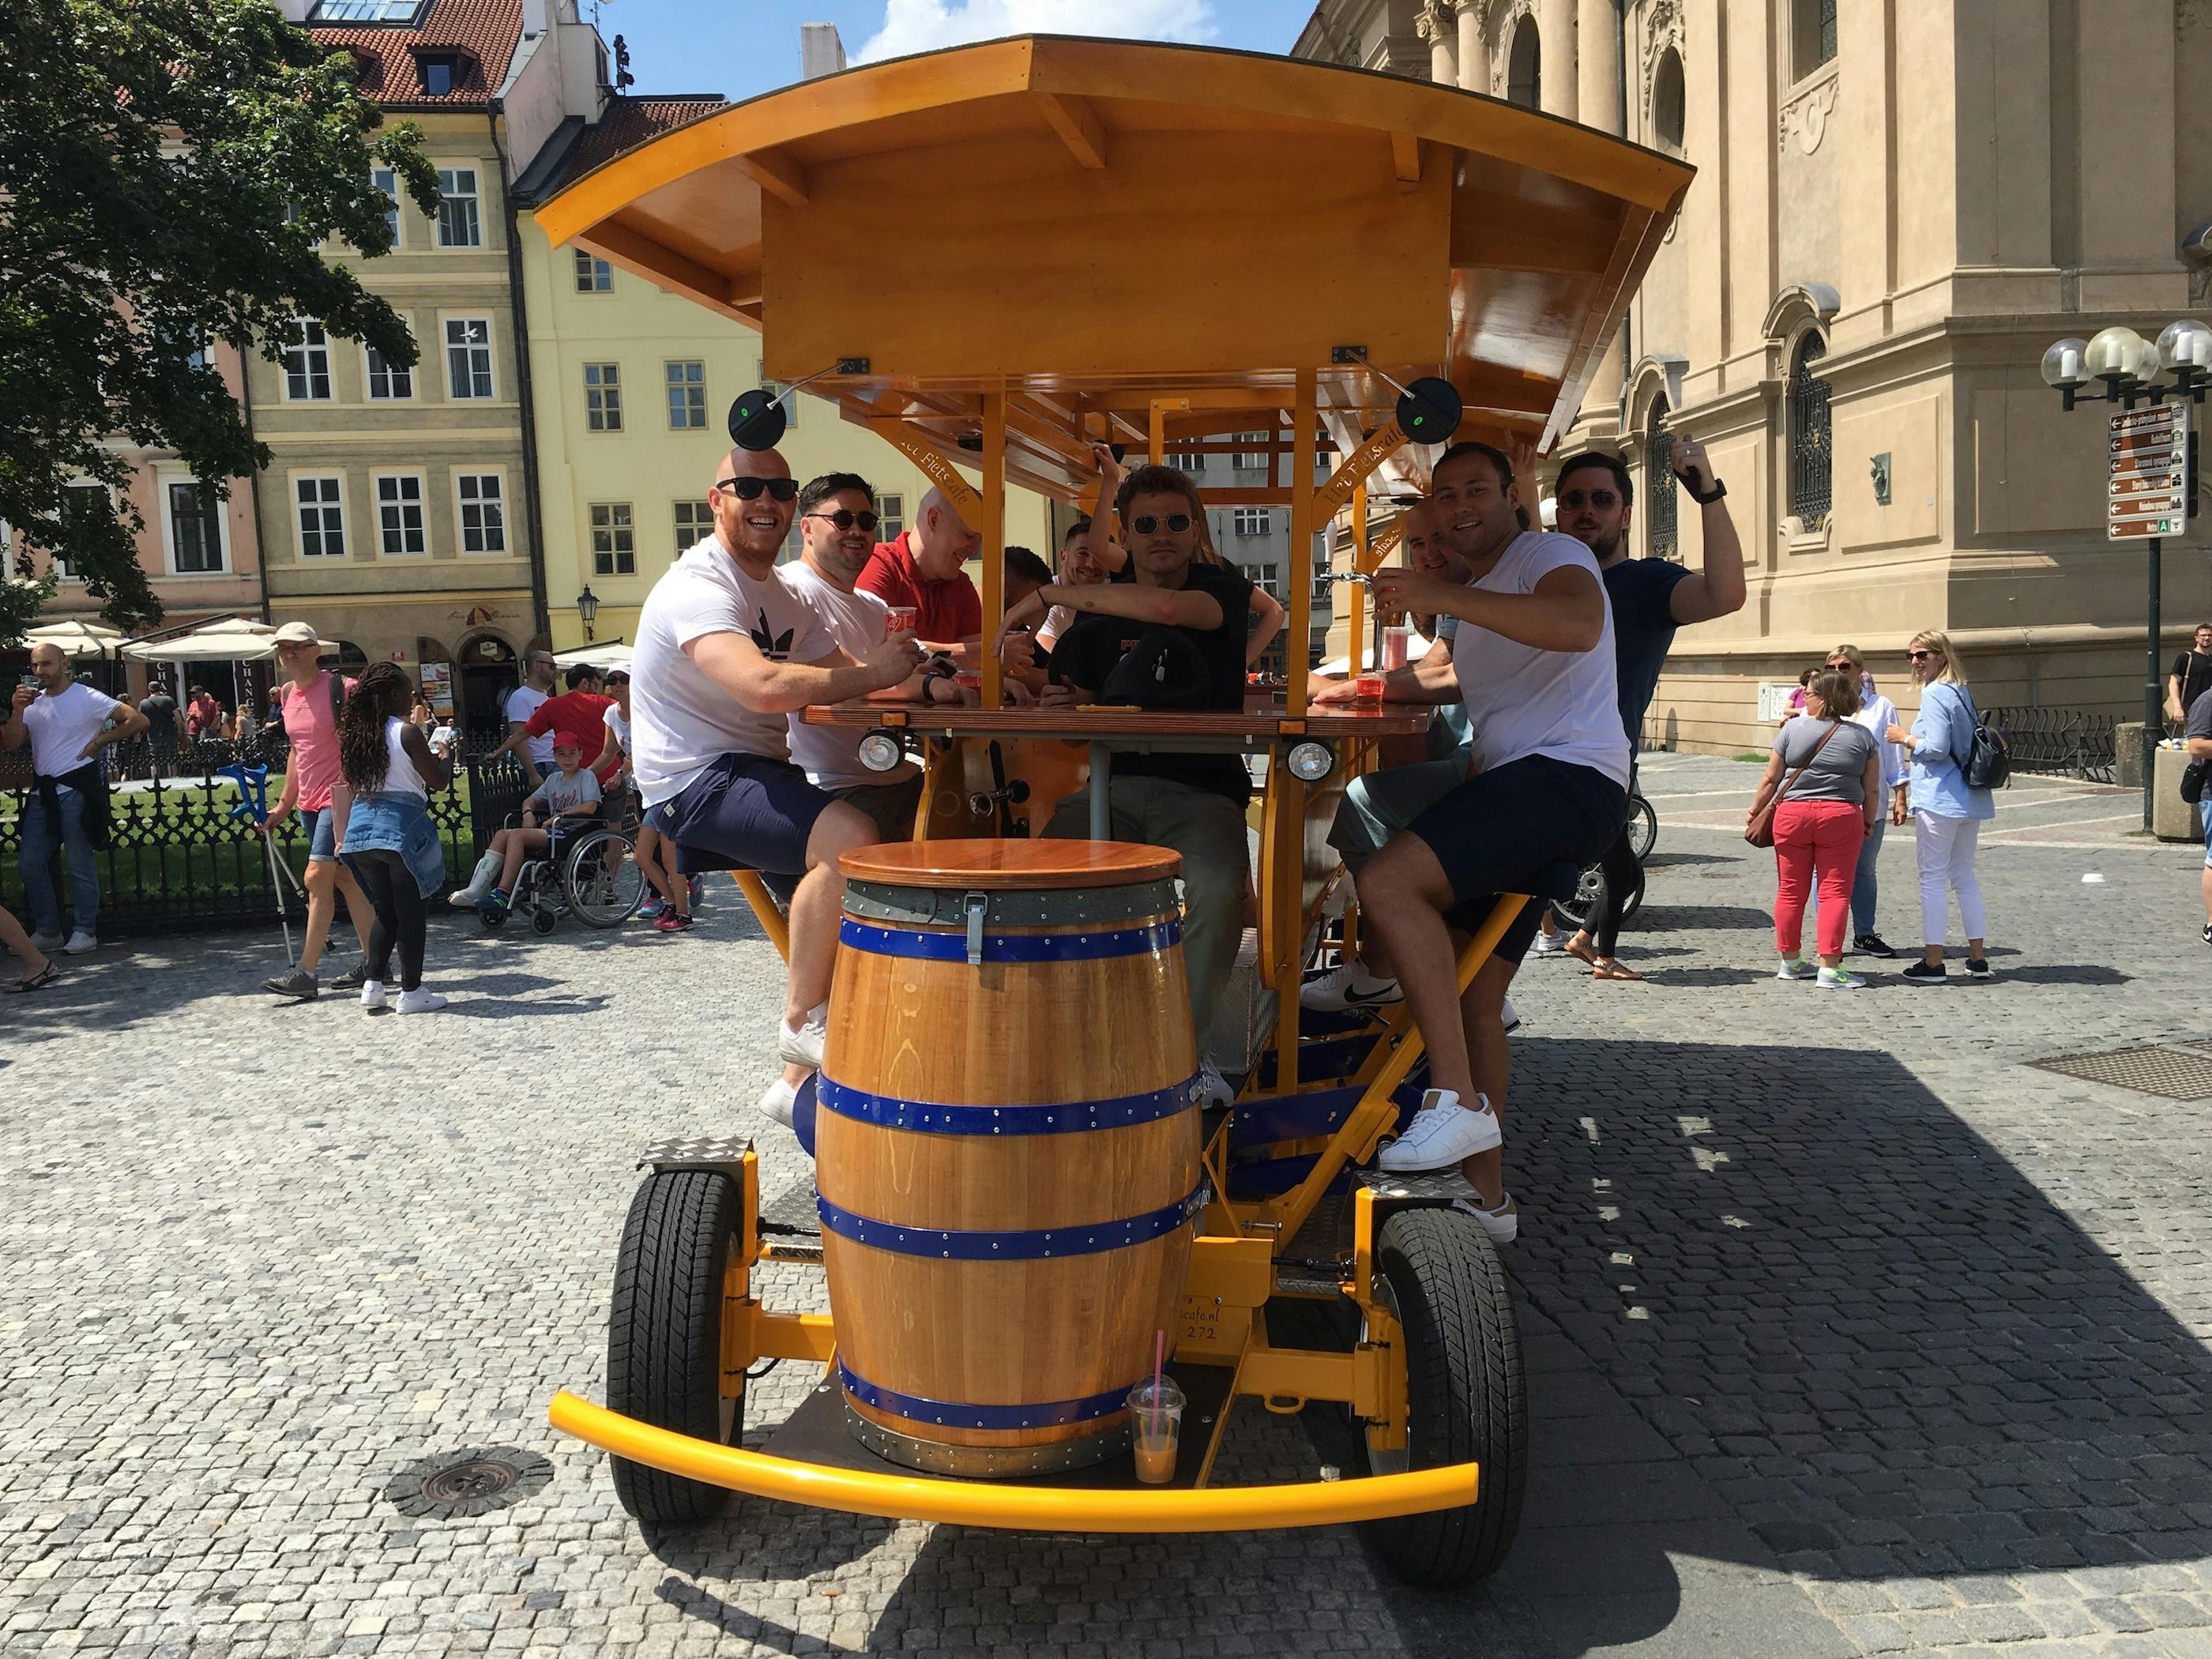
column 2069, row 742
column 180, row 860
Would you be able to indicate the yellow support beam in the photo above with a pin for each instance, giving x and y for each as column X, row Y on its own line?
column 900, row 435
column 994, row 539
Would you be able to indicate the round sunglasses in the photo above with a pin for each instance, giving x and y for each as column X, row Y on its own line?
column 1144, row 523
column 845, row 519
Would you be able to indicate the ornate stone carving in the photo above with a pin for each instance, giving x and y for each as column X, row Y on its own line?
column 1434, row 23
column 1807, row 116
column 1505, row 18
column 1662, row 28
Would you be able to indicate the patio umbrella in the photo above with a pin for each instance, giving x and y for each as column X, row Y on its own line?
column 614, row 654
column 233, row 639
column 79, row 639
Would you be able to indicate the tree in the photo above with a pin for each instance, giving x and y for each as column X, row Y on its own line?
column 168, row 168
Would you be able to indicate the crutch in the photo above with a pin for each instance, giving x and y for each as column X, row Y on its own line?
column 253, row 783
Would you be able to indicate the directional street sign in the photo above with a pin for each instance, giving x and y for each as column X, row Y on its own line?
column 2149, row 492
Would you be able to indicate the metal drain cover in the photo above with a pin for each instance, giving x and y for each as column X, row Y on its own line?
column 473, row 1481
column 2178, row 1073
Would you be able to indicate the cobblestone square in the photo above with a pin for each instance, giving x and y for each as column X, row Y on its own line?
column 1849, row 1329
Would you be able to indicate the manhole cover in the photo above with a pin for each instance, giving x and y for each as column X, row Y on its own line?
column 474, row 1481
column 2170, row 1073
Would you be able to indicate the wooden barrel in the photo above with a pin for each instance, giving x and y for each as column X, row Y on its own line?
column 1006, row 1147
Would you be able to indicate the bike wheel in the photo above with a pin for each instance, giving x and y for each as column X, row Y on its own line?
column 605, row 884
column 1643, row 827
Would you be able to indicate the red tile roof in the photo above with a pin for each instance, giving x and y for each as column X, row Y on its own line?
column 630, row 120
column 480, row 34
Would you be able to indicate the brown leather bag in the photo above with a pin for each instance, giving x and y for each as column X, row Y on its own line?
column 1759, row 832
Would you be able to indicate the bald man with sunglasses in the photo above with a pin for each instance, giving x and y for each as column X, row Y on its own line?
column 727, row 649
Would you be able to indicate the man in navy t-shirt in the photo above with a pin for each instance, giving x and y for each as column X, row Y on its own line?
column 1650, row 598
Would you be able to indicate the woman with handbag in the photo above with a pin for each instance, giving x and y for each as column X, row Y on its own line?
column 1815, row 818
column 1947, row 810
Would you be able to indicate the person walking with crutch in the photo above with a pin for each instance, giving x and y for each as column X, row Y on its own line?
column 309, row 703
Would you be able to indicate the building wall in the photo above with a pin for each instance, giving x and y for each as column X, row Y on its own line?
column 387, row 603
column 652, row 468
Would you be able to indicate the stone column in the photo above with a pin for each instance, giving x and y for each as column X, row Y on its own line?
column 1435, row 25
column 1555, row 33
column 1597, row 66
column 1473, row 47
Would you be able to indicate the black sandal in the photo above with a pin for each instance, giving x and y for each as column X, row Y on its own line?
column 38, row 981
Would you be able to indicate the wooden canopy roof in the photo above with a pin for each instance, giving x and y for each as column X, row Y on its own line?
column 1108, row 232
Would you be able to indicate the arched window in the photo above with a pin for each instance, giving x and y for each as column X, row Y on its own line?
column 1812, row 35
column 1667, row 103
column 1524, row 69
column 1659, row 485
column 1812, row 457
column 348, row 659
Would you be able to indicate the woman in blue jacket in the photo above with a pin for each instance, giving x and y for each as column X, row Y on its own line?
column 1946, row 810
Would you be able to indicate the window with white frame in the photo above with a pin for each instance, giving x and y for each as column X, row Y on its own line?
column 891, row 510
column 614, row 540
column 468, row 357
column 1267, row 576
column 306, row 363
column 1191, row 461
column 388, row 382
column 593, row 275
column 1812, row 35
column 385, row 179
column 480, row 505
column 399, row 513
column 195, row 514
column 460, row 222
column 1253, row 521
column 603, row 398
column 1254, row 460
column 365, row 11
column 790, row 405
column 320, row 504
column 695, row 522
column 687, row 396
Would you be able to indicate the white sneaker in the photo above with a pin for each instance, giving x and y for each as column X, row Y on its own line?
column 47, row 941
column 1348, row 985
column 420, row 1000
column 1442, row 1134
column 1837, row 979
column 775, row 1102
column 1509, row 1014
column 1550, row 945
column 1793, row 968
column 481, row 879
column 804, row 1046
column 1211, row 1088
column 1501, row 1224
column 372, row 994
column 79, row 944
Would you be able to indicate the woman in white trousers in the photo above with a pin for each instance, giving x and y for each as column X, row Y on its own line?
column 1946, row 810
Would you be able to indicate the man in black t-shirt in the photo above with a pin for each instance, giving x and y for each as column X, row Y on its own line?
column 164, row 725
column 1170, row 639
column 1650, row 598
column 2191, row 676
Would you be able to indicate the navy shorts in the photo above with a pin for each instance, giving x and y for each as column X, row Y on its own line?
column 744, row 811
column 319, row 824
column 1502, row 830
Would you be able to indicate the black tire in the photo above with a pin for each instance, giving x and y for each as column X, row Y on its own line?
column 599, row 900
column 1643, row 827
column 1580, row 911
column 665, row 1335
column 543, row 921
column 1466, row 1397
column 493, row 916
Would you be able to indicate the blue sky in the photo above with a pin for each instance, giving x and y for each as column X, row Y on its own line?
column 741, row 47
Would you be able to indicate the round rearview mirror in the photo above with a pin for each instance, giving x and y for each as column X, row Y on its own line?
column 1429, row 410
column 756, row 420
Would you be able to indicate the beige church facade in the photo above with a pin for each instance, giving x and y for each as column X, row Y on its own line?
column 1901, row 204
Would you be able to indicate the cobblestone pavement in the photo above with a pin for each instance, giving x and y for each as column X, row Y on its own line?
column 1849, row 1331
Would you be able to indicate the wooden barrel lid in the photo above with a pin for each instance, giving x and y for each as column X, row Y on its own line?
column 1018, row 865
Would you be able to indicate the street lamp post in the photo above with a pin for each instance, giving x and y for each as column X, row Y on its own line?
column 588, row 608
column 2152, row 489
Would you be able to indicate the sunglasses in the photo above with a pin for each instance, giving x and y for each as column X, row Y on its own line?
column 1919, row 656
column 750, row 490
column 1599, row 499
column 844, row 519
column 1145, row 523
column 1845, row 667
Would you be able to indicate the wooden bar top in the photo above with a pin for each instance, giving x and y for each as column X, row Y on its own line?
column 1023, row 865
column 1262, row 720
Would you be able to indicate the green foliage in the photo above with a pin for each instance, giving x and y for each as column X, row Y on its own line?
column 166, row 170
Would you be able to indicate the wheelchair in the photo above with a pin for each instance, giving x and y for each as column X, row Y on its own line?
column 589, row 870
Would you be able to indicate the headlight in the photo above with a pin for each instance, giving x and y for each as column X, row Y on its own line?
column 881, row 752
column 1310, row 762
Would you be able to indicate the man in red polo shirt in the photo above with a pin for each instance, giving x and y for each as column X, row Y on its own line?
column 580, row 716
column 922, row 568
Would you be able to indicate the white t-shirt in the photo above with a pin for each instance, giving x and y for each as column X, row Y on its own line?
column 857, row 623
column 60, row 727
column 521, row 703
column 560, row 792
column 615, row 724
column 1523, row 701
column 681, row 722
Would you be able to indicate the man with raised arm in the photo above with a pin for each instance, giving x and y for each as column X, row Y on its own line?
column 726, row 650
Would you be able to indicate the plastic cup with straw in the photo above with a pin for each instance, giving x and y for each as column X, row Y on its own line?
column 1155, row 1408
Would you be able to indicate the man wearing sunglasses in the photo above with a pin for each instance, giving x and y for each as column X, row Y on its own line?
column 922, row 568
column 1171, row 637
column 728, row 650
column 1650, row 598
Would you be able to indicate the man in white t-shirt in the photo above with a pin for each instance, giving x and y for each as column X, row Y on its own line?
column 536, row 753
column 726, row 651
column 66, row 725
column 1533, row 661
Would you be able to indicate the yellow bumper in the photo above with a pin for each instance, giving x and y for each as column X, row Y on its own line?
column 1019, row 1509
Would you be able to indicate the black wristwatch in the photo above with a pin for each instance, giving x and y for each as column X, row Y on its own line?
column 1718, row 491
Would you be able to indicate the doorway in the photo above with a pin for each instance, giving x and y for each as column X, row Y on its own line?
column 486, row 667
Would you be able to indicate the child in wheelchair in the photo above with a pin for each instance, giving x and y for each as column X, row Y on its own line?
column 566, row 802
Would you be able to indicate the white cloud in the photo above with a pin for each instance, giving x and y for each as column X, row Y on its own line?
column 924, row 25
